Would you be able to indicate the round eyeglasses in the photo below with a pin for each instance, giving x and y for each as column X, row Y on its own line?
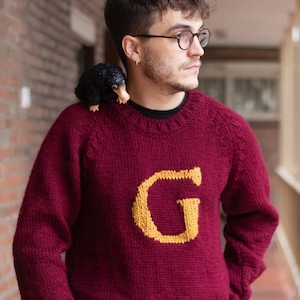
column 185, row 38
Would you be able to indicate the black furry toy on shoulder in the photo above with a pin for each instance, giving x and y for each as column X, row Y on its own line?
column 100, row 83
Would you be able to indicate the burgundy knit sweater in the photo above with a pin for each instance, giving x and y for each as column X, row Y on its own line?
column 135, row 202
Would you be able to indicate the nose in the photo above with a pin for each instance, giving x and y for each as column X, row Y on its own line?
column 123, row 96
column 196, row 49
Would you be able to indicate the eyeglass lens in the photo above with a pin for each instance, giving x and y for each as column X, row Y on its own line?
column 204, row 37
column 187, row 37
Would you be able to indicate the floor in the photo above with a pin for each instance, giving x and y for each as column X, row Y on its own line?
column 275, row 283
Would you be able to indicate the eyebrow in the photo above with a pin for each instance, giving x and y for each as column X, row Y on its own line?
column 181, row 26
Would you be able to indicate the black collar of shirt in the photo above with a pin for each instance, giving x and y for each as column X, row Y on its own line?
column 158, row 114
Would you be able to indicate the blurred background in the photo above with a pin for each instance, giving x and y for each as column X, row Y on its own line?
column 252, row 65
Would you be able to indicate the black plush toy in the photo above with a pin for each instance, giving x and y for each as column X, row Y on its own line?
column 100, row 83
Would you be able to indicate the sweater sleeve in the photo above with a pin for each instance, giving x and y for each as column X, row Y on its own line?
column 50, row 206
column 251, row 218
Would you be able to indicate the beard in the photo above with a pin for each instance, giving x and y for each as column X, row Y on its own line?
column 162, row 73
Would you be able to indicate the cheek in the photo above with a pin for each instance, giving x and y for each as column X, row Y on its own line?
column 160, row 70
column 161, row 65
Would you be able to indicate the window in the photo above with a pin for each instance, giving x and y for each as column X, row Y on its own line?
column 85, row 58
column 251, row 92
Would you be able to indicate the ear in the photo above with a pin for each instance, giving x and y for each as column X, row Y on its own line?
column 131, row 48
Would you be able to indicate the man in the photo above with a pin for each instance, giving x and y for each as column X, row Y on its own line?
column 132, row 193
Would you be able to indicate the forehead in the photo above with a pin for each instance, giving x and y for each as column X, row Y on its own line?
column 173, row 20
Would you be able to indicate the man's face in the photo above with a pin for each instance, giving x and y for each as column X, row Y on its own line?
column 163, row 62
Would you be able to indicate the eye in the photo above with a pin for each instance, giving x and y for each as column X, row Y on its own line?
column 114, row 87
column 177, row 36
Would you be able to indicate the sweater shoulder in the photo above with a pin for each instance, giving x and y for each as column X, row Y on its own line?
column 221, row 117
column 75, row 119
column 73, row 127
column 74, row 116
column 217, row 110
column 232, row 128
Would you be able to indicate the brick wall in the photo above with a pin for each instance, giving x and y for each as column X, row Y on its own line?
column 38, row 50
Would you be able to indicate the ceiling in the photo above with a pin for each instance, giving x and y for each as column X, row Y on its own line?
column 249, row 23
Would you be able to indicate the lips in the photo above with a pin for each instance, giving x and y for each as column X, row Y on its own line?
column 192, row 65
column 195, row 67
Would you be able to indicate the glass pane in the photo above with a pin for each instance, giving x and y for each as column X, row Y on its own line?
column 255, row 96
column 213, row 87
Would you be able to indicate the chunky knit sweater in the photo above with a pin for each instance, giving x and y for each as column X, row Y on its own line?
column 135, row 202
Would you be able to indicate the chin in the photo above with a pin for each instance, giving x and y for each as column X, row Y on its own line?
column 192, row 82
column 191, row 86
column 185, row 85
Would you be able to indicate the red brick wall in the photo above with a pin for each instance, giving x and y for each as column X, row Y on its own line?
column 37, row 50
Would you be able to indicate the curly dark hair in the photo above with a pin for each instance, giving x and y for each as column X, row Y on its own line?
column 136, row 16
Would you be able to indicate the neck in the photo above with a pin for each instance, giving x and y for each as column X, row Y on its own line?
column 152, row 96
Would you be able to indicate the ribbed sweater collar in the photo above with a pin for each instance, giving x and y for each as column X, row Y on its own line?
column 130, row 116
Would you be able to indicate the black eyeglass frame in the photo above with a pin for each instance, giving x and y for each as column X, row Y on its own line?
column 178, row 36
